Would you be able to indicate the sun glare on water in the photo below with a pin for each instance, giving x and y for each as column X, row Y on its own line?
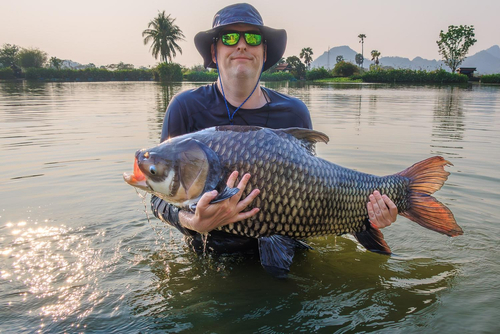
column 55, row 270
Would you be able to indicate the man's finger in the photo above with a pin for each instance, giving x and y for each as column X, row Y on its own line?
column 382, row 207
column 371, row 213
column 232, row 179
column 245, row 215
column 375, row 207
column 241, row 187
column 243, row 182
column 372, row 217
column 205, row 200
column 375, row 214
column 386, row 215
column 247, row 200
column 393, row 210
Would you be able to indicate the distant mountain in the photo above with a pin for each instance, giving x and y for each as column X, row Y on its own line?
column 73, row 65
column 329, row 59
column 486, row 61
column 494, row 51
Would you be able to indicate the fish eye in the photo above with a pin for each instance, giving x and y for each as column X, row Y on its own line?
column 152, row 170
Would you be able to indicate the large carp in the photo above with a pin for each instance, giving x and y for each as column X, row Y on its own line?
column 301, row 195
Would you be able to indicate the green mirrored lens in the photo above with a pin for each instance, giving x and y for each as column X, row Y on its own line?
column 253, row 39
column 230, row 39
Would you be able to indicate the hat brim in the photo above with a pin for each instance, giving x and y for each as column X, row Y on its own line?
column 275, row 41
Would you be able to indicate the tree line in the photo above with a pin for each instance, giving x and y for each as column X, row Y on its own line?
column 164, row 36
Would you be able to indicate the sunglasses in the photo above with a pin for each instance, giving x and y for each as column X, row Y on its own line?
column 232, row 38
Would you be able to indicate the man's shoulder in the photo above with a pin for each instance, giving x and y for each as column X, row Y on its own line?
column 195, row 94
column 284, row 106
column 279, row 97
column 286, row 102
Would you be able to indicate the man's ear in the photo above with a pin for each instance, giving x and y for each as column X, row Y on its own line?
column 212, row 52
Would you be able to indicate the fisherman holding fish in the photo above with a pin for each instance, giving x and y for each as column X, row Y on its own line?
column 240, row 47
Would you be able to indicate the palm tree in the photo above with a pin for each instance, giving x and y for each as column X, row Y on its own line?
column 306, row 54
column 164, row 35
column 375, row 55
column 362, row 41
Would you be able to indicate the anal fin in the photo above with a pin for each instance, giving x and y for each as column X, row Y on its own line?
column 373, row 240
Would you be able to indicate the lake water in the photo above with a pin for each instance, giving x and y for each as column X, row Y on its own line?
column 78, row 253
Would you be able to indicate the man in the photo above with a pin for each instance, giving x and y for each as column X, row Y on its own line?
column 240, row 47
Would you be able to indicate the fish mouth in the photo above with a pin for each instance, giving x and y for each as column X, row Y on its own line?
column 137, row 178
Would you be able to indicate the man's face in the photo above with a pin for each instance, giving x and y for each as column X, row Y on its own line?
column 240, row 60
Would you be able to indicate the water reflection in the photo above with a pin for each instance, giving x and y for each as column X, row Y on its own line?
column 449, row 124
column 336, row 287
column 164, row 94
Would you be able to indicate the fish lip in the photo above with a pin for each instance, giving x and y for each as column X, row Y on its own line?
column 131, row 179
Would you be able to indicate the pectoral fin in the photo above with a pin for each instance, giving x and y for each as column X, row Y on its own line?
column 276, row 254
column 225, row 194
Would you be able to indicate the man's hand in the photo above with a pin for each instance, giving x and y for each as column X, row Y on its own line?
column 381, row 210
column 210, row 216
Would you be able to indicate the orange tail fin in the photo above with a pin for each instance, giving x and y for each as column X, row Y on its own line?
column 428, row 176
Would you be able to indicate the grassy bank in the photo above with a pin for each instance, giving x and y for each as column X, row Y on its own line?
column 340, row 79
column 174, row 72
column 412, row 76
column 380, row 75
column 6, row 74
column 164, row 73
column 492, row 78
column 89, row 74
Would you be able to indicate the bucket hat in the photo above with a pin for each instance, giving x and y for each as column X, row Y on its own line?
column 247, row 14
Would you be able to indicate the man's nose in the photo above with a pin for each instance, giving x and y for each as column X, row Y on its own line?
column 242, row 44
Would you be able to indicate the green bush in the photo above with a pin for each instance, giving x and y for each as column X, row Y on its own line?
column 344, row 69
column 412, row 76
column 317, row 73
column 277, row 76
column 6, row 73
column 491, row 78
column 166, row 72
column 200, row 76
column 88, row 74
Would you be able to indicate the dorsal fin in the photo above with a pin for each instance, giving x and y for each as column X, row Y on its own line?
column 308, row 137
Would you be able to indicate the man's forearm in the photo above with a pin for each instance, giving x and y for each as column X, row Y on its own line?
column 185, row 219
column 170, row 214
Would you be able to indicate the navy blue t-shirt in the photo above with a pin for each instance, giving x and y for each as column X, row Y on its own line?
column 204, row 107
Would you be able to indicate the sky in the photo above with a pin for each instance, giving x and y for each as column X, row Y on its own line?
column 108, row 31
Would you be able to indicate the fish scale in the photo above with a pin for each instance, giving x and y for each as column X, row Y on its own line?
column 302, row 195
